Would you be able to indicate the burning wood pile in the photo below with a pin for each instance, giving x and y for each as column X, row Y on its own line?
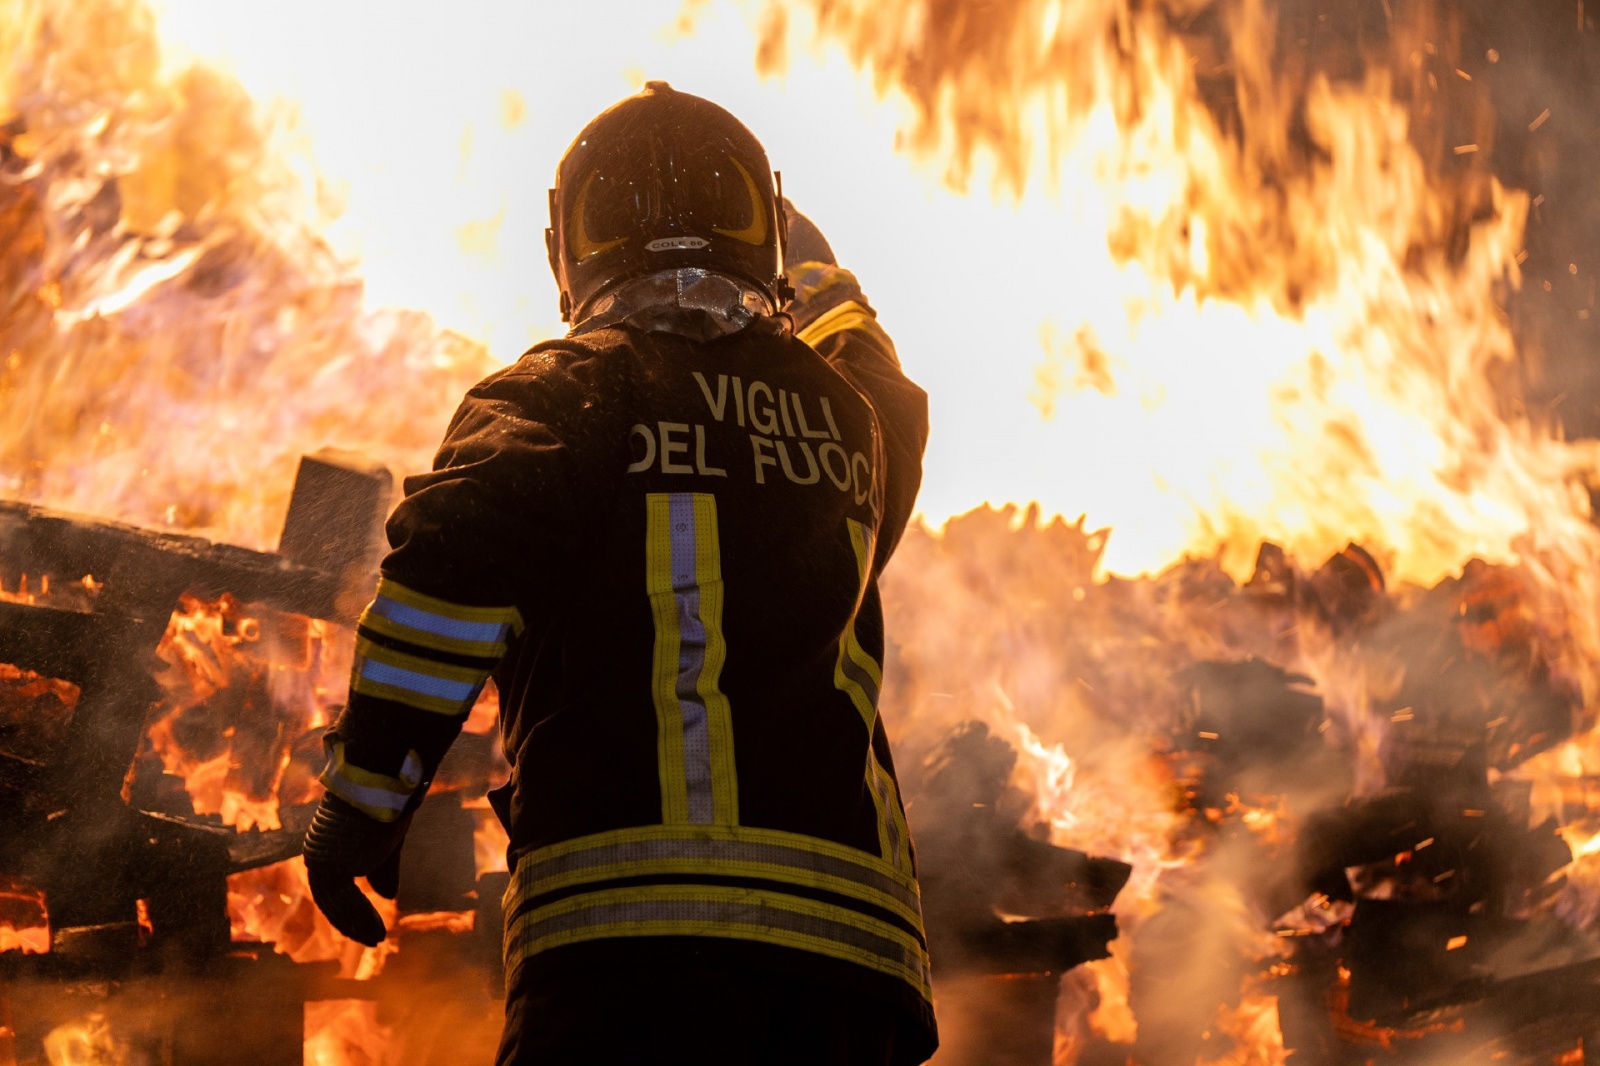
column 1374, row 885
column 1357, row 815
column 159, row 738
column 91, row 818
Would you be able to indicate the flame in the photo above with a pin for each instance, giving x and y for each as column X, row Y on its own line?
column 240, row 687
column 1253, row 1027
column 344, row 1032
column 1344, row 320
column 90, row 1041
column 1132, row 819
column 1216, row 270
column 171, row 293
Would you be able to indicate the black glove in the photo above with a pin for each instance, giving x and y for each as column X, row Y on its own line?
column 805, row 243
column 343, row 844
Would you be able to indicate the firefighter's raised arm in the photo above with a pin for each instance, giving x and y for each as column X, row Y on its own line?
column 831, row 314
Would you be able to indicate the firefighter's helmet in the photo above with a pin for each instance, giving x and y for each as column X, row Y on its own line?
column 663, row 180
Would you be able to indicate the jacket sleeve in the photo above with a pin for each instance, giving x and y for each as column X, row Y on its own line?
column 832, row 315
column 505, row 489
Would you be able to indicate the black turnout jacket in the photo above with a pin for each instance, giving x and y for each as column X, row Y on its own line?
column 667, row 553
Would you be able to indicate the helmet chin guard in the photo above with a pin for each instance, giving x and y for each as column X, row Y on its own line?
column 663, row 181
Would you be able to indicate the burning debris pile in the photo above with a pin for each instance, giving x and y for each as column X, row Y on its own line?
column 159, row 739
column 1348, row 828
column 1354, row 812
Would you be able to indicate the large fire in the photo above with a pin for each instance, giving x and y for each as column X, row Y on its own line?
column 1240, row 306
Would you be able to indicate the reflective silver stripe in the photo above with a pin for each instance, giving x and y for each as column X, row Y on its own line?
column 683, row 575
column 377, row 795
column 411, row 681
column 691, row 658
column 755, row 913
column 438, row 624
column 539, row 873
column 721, row 911
column 365, row 795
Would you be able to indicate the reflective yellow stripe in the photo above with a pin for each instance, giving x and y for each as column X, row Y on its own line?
column 856, row 673
column 848, row 315
column 721, row 911
column 683, row 575
column 859, row 676
column 880, row 803
column 412, row 598
column 439, row 688
column 894, row 836
column 377, row 623
column 733, row 851
column 378, row 796
column 448, row 671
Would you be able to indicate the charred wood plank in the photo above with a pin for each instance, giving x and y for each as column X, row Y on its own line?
column 336, row 512
column 69, row 645
column 1043, row 945
column 249, row 851
column 145, row 571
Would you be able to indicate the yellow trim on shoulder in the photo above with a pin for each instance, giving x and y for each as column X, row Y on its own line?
column 848, row 315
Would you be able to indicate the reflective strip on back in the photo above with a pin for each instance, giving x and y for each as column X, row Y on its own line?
column 721, row 911
column 732, row 851
column 683, row 576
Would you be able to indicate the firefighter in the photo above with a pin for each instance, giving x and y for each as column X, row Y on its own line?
column 663, row 536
